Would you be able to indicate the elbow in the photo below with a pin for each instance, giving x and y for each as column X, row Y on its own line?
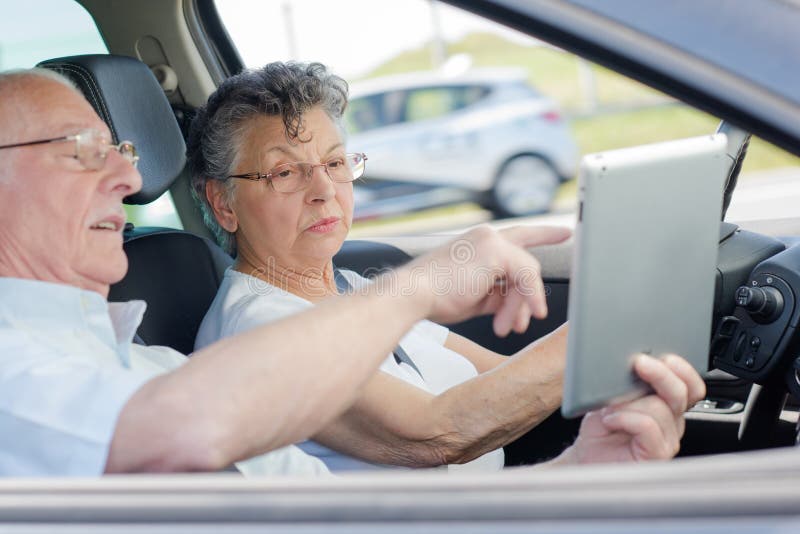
column 205, row 453
column 457, row 454
column 460, row 447
column 418, row 452
column 443, row 449
column 157, row 433
column 167, row 455
column 451, row 440
column 187, row 450
column 199, row 445
column 443, row 442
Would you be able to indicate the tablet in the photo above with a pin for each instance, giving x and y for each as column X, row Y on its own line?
column 644, row 267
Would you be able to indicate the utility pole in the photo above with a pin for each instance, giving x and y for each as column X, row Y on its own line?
column 438, row 47
column 588, row 85
column 291, row 36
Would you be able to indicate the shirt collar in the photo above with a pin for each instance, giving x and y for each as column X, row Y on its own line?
column 37, row 304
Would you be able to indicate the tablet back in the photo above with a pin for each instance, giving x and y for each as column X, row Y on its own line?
column 644, row 266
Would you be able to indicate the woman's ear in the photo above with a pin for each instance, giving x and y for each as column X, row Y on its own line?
column 217, row 197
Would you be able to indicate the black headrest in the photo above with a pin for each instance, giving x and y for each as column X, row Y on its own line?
column 128, row 98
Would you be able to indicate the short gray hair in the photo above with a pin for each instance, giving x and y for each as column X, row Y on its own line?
column 11, row 82
column 279, row 89
column 12, row 97
column 16, row 75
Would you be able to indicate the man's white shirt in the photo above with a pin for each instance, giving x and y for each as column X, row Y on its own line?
column 67, row 368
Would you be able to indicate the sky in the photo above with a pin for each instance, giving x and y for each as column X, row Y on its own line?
column 43, row 29
column 343, row 33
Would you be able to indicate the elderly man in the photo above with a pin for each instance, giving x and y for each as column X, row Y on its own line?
column 78, row 398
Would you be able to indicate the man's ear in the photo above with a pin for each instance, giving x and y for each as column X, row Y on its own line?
column 215, row 194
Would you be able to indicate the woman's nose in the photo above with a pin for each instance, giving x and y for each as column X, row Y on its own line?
column 321, row 186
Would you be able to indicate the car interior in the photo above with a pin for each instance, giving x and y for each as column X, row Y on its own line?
column 177, row 273
column 754, row 384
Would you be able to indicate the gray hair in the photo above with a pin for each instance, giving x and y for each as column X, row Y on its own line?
column 17, row 75
column 285, row 90
column 12, row 83
column 13, row 93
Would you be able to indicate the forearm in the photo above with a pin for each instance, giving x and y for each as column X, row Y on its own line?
column 265, row 388
column 399, row 424
column 501, row 405
column 392, row 422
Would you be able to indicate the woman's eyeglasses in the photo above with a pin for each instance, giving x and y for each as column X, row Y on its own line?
column 292, row 177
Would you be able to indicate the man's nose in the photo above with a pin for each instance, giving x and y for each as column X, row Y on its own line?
column 124, row 177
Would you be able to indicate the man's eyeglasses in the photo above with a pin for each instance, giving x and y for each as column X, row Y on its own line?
column 292, row 177
column 91, row 148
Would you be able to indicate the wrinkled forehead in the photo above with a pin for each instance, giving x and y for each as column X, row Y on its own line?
column 36, row 107
column 264, row 132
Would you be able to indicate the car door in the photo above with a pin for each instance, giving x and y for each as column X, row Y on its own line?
column 446, row 151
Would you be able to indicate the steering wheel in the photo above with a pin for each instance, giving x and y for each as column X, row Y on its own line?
column 738, row 142
column 766, row 401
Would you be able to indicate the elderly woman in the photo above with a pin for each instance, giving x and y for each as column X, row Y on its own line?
column 272, row 174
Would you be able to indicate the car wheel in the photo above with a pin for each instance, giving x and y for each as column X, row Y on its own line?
column 525, row 185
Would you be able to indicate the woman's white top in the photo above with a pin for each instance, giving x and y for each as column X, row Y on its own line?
column 244, row 302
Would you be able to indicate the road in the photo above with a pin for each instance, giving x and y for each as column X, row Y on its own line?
column 773, row 194
column 759, row 196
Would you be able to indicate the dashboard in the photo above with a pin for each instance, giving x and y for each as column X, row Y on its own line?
column 755, row 310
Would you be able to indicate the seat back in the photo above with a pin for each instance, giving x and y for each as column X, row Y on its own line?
column 177, row 273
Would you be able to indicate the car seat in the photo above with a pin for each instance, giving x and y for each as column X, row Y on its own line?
column 176, row 272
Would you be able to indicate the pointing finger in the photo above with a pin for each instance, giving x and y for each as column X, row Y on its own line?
column 533, row 236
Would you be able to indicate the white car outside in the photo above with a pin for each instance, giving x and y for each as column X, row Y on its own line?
column 487, row 131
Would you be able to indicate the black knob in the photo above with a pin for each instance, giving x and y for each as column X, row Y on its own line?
column 764, row 304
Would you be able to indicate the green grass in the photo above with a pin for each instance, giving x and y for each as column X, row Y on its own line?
column 651, row 125
column 663, row 123
column 553, row 72
column 557, row 75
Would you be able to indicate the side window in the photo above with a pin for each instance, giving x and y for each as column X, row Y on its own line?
column 435, row 102
column 45, row 29
column 375, row 111
column 430, row 103
column 364, row 114
column 470, row 95
column 394, row 102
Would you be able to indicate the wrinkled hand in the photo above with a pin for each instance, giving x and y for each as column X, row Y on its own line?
column 648, row 428
column 486, row 271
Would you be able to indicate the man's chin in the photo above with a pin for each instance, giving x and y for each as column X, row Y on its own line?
column 100, row 280
column 120, row 271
